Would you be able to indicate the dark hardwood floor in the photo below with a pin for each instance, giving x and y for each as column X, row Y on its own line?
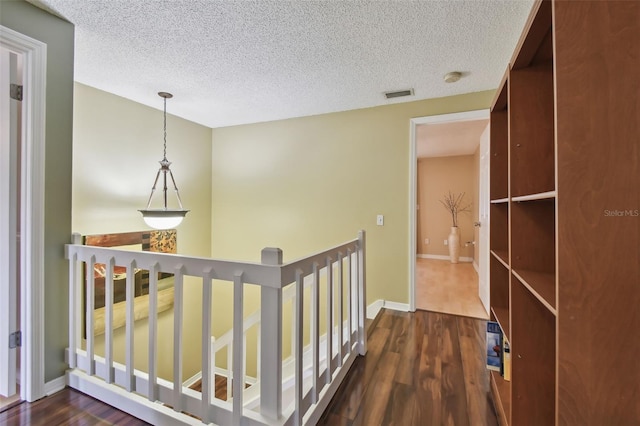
column 421, row 368
column 67, row 407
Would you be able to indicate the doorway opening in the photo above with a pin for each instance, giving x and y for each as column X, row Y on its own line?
column 445, row 155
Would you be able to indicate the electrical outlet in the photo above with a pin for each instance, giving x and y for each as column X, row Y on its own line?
column 426, row 241
column 446, row 242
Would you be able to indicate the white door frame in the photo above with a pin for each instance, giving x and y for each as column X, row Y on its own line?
column 413, row 176
column 34, row 60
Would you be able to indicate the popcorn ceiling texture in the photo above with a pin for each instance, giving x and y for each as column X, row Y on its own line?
column 238, row 62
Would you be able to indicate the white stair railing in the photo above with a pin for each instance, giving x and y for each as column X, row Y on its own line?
column 147, row 396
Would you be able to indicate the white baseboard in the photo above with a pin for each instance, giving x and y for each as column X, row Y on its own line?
column 443, row 257
column 476, row 267
column 55, row 385
column 374, row 308
column 402, row 307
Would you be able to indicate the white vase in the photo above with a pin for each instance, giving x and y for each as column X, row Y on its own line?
column 454, row 244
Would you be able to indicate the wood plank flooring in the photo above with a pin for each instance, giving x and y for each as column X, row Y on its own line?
column 67, row 407
column 421, row 368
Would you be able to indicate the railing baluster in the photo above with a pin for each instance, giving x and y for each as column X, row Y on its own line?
column 178, row 307
column 299, row 349
column 129, row 327
column 152, row 391
column 340, row 311
column 349, row 302
column 206, row 345
column 238, row 348
column 229, row 369
column 108, row 323
column 90, row 303
column 315, row 334
column 74, row 305
column 329, row 341
column 362, row 295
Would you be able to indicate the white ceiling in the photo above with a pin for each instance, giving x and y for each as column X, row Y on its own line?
column 448, row 139
column 237, row 62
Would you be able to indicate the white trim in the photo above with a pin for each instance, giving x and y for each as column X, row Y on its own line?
column 374, row 308
column 463, row 259
column 476, row 266
column 34, row 57
column 395, row 306
column 413, row 176
column 55, row 385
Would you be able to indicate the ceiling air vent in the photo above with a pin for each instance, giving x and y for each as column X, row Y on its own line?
column 398, row 94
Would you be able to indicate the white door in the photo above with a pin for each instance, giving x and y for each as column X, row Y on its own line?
column 483, row 219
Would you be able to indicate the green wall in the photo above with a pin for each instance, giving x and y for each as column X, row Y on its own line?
column 59, row 37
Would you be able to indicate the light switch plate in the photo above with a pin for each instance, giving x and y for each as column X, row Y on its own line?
column 380, row 220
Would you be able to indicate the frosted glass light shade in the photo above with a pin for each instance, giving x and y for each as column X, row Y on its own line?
column 163, row 219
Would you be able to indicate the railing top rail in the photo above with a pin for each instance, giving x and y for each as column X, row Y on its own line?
column 276, row 276
column 252, row 273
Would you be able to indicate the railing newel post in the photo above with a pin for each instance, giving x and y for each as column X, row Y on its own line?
column 271, row 341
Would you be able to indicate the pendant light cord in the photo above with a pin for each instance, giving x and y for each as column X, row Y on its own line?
column 165, row 129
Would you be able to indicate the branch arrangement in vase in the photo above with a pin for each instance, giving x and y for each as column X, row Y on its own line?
column 453, row 203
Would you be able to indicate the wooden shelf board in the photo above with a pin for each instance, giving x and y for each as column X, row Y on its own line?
column 502, row 256
column 541, row 284
column 502, row 317
column 501, row 397
column 500, row 201
column 540, row 196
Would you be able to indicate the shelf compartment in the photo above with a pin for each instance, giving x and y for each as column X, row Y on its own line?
column 499, row 293
column 533, row 246
column 542, row 286
column 502, row 397
column 532, row 130
column 499, row 160
column 533, row 355
column 499, row 234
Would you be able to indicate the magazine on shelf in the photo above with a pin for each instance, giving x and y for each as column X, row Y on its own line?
column 506, row 365
column 494, row 346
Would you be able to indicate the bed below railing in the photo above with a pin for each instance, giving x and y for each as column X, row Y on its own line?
column 320, row 293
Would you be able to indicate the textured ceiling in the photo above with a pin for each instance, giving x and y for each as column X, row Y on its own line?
column 447, row 139
column 238, row 62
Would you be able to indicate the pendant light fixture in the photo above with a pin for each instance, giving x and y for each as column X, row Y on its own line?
column 164, row 218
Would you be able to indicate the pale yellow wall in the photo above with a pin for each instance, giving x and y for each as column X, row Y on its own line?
column 436, row 177
column 117, row 144
column 308, row 183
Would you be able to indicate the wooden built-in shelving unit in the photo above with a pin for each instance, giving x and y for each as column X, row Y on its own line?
column 565, row 274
